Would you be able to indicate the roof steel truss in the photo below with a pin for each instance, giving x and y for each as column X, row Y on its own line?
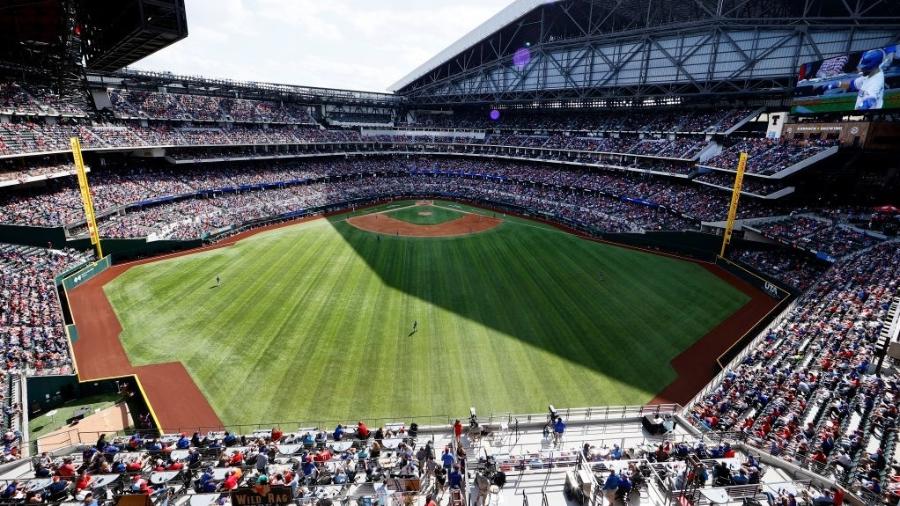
column 579, row 50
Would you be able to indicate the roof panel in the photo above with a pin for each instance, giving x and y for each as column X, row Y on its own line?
column 511, row 13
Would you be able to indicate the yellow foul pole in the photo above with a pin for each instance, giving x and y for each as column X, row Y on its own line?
column 735, row 197
column 86, row 199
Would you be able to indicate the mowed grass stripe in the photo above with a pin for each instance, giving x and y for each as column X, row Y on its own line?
column 521, row 362
column 278, row 327
column 250, row 316
column 312, row 322
column 504, row 380
column 572, row 318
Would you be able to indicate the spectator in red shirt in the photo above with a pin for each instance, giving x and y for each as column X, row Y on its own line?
column 134, row 464
column 362, row 432
column 67, row 470
column 231, row 481
column 84, row 481
column 838, row 496
column 457, row 430
column 139, row 485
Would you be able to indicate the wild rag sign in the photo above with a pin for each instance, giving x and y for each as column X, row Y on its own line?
column 261, row 495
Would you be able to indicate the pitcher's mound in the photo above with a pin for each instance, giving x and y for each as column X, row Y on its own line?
column 425, row 213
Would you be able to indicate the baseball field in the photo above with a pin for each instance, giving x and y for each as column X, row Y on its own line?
column 414, row 309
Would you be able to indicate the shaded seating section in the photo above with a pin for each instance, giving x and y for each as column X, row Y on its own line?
column 831, row 236
column 768, row 156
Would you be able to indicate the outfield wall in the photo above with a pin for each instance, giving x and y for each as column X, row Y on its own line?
column 77, row 278
column 127, row 249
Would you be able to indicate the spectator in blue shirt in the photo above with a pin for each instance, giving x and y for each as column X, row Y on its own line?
column 558, row 428
column 309, row 469
column 447, row 458
column 338, row 433
column 193, row 459
column 616, row 453
column 9, row 491
column 57, row 487
column 624, row 483
column 206, row 483
column 610, row 487
column 455, row 478
column 89, row 500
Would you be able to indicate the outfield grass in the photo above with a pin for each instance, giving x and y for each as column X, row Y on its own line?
column 313, row 322
column 419, row 215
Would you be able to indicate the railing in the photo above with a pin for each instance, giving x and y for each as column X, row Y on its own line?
column 427, row 424
column 734, row 492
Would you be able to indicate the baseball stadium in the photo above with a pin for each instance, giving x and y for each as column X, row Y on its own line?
column 590, row 253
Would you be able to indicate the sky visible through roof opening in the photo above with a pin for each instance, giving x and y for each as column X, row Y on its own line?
column 351, row 44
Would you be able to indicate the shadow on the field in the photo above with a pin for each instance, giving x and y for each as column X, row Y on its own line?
column 498, row 279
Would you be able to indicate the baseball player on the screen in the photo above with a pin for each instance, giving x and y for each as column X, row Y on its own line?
column 870, row 85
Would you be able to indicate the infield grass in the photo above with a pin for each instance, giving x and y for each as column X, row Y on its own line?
column 313, row 322
column 425, row 215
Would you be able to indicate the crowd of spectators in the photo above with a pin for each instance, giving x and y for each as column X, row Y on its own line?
column 360, row 118
column 838, row 241
column 32, row 337
column 830, row 236
column 39, row 137
column 39, row 100
column 220, row 462
column 658, row 154
column 810, row 390
column 787, row 266
column 185, row 107
column 681, row 148
column 17, row 172
column 749, row 185
column 769, row 156
column 59, row 201
column 581, row 120
column 31, row 137
column 792, row 228
column 322, row 465
column 598, row 200
column 31, row 326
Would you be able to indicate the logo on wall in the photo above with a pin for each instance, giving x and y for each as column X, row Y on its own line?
column 262, row 495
